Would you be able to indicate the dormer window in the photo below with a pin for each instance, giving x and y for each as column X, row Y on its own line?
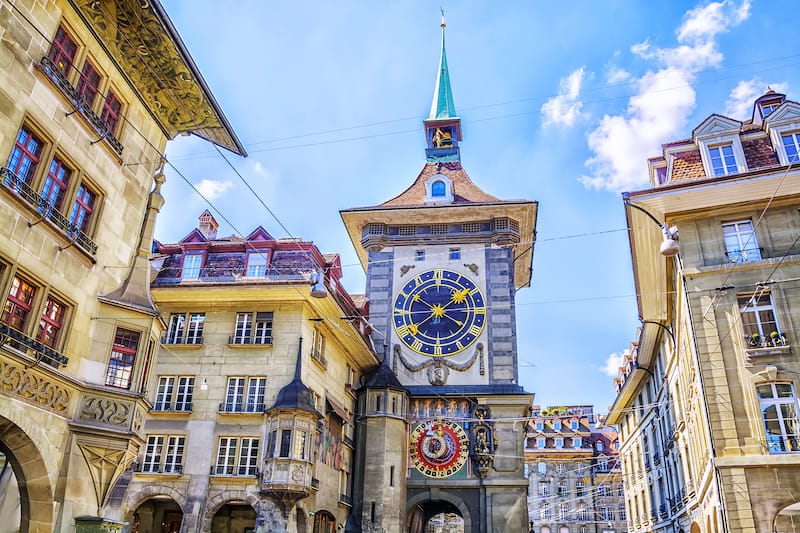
column 791, row 145
column 723, row 162
column 438, row 189
column 766, row 109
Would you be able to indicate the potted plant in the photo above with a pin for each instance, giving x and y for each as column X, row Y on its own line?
column 754, row 340
column 777, row 338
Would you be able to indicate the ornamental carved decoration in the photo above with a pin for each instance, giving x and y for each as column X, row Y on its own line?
column 439, row 367
column 133, row 34
column 483, row 442
column 106, row 411
column 33, row 388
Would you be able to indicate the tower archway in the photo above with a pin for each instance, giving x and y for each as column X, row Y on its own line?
column 33, row 488
column 445, row 514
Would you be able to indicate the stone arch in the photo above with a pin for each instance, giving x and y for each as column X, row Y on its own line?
column 35, row 489
column 215, row 503
column 444, row 496
column 134, row 498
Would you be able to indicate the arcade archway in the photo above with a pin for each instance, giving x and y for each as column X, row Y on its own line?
column 436, row 517
column 159, row 514
column 788, row 519
column 29, row 485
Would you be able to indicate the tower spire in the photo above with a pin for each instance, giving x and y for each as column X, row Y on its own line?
column 442, row 106
column 442, row 127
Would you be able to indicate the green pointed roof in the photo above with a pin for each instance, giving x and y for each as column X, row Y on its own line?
column 442, row 106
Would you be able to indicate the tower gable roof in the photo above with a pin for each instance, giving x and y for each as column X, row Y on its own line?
column 464, row 190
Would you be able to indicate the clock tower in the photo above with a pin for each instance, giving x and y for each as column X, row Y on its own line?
column 444, row 260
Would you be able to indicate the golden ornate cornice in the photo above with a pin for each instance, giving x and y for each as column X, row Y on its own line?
column 141, row 40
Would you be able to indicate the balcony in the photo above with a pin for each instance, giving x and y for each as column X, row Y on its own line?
column 175, row 340
column 157, row 469
column 743, row 256
column 242, row 408
column 242, row 340
column 163, row 407
column 31, row 347
column 45, row 211
column 235, row 471
column 288, row 478
column 61, row 81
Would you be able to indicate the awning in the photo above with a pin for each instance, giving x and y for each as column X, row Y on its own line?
column 338, row 410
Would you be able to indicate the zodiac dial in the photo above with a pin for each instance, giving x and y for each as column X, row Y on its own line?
column 439, row 313
column 439, row 448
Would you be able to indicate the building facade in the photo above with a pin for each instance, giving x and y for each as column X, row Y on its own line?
column 574, row 477
column 710, row 388
column 250, row 424
column 85, row 114
column 441, row 422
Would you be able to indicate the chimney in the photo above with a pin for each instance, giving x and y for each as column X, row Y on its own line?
column 207, row 225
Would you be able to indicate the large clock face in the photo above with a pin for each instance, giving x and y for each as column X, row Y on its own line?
column 439, row 313
column 439, row 448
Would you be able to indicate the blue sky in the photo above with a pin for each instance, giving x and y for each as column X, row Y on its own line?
column 561, row 102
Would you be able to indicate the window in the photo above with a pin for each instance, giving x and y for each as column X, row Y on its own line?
column 791, row 143
column 420, row 255
column 191, row 266
column 174, row 393
column 580, row 488
column 541, row 442
column 561, row 489
column 111, row 112
column 599, row 446
column 559, row 442
column 18, row 303
column 561, row 468
column 758, row 319
column 563, row 510
column 51, row 322
column 286, row 443
column 766, row 109
column 318, row 346
column 438, row 189
column 185, row 328
column 257, row 264
column 583, row 514
column 55, row 184
column 576, row 442
column 253, row 328
column 24, row 157
column 82, row 209
column 740, row 241
column 88, row 84
column 123, row 355
column 158, row 459
column 604, row 490
column 723, row 161
column 544, row 512
column 62, row 51
column 779, row 412
column 557, row 425
column 573, row 425
column 235, row 458
column 602, row 464
column 245, row 395
column 455, row 254
column 542, row 469
column 539, row 425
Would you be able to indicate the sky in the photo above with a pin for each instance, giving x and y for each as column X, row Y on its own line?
column 560, row 102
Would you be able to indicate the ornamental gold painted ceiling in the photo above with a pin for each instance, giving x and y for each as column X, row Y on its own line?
column 140, row 38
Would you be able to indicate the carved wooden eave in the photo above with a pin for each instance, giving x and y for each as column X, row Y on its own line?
column 140, row 38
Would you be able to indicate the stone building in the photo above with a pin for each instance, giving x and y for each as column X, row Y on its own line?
column 440, row 434
column 574, row 478
column 710, row 386
column 85, row 114
column 250, row 424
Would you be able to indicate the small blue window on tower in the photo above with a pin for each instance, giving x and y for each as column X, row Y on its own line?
column 420, row 255
column 438, row 188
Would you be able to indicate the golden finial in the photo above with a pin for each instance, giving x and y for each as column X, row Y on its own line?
column 442, row 10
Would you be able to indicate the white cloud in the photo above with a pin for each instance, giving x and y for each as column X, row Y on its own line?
column 212, row 189
column 613, row 363
column 564, row 109
column 615, row 75
column 664, row 99
column 740, row 101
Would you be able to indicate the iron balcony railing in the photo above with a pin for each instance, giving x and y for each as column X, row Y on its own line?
column 171, row 339
column 183, row 407
column 241, row 408
column 249, row 339
column 31, row 346
column 40, row 204
column 157, row 469
column 61, row 81
column 230, row 470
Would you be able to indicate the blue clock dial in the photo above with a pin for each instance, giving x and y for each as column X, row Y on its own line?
column 439, row 313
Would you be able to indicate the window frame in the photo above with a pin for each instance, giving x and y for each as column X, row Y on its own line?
column 13, row 302
column 163, row 454
column 787, row 442
column 185, row 329
column 85, row 85
column 23, row 155
column 259, row 256
column 58, row 323
column 111, row 111
column 707, row 143
column 752, row 306
column 121, row 366
column 191, row 276
column 57, row 50
column 748, row 248
column 722, row 159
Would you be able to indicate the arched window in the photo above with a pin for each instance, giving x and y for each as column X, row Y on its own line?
column 438, row 189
